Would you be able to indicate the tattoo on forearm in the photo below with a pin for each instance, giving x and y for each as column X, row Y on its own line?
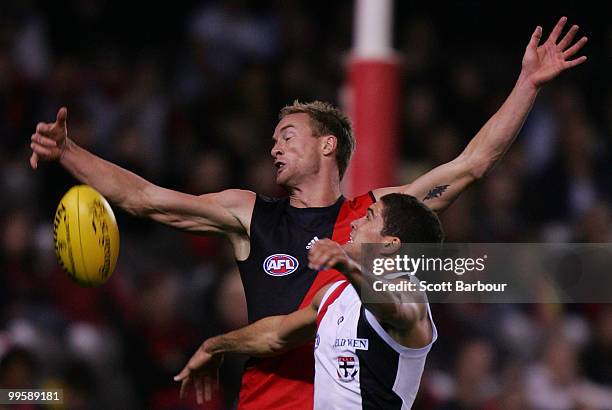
column 436, row 192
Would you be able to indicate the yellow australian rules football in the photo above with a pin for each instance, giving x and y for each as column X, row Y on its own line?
column 86, row 236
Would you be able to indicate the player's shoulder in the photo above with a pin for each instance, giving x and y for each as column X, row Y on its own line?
column 268, row 204
column 235, row 198
column 271, row 199
column 361, row 201
column 239, row 193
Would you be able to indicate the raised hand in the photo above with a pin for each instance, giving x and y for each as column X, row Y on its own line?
column 542, row 63
column 203, row 371
column 49, row 140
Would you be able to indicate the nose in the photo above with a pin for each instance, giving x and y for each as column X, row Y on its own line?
column 276, row 150
column 356, row 223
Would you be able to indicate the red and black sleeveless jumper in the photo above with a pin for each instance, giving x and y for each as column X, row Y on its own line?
column 277, row 281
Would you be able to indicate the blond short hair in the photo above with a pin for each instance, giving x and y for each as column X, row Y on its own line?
column 327, row 120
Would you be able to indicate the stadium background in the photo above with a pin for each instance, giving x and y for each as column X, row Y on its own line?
column 187, row 96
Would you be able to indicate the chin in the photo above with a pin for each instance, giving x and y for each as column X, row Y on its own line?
column 284, row 180
column 281, row 180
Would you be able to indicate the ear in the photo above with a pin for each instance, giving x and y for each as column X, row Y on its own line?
column 329, row 143
column 391, row 245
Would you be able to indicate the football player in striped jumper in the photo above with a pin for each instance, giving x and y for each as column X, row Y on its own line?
column 367, row 354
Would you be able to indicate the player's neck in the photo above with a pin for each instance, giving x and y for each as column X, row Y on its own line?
column 318, row 192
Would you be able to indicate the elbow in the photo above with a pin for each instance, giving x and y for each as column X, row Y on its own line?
column 275, row 344
column 140, row 203
column 275, row 349
column 402, row 316
column 138, row 213
column 133, row 208
column 479, row 166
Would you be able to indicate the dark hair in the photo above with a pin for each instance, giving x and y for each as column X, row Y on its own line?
column 408, row 219
column 327, row 120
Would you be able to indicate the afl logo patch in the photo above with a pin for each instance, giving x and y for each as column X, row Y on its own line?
column 280, row 264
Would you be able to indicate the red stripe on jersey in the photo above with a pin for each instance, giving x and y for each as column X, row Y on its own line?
column 330, row 299
column 286, row 381
column 349, row 211
column 324, row 278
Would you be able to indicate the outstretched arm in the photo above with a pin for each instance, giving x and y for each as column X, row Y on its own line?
column 266, row 337
column 541, row 63
column 226, row 212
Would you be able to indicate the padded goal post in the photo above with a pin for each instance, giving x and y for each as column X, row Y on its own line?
column 374, row 97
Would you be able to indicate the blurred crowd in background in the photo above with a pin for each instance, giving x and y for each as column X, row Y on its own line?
column 187, row 96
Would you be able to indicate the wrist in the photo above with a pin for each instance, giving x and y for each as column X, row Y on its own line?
column 526, row 82
column 67, row 146
column 209, row 346
column 216, row 345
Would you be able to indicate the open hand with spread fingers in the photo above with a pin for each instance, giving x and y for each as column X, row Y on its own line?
column 203, row 371
column 542, row 63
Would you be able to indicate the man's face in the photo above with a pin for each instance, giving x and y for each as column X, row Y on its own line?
column 296, row 150
column 367, row 229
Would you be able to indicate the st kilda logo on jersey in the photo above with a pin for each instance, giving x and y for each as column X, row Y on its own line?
column 347, row 368
column 280, row 264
